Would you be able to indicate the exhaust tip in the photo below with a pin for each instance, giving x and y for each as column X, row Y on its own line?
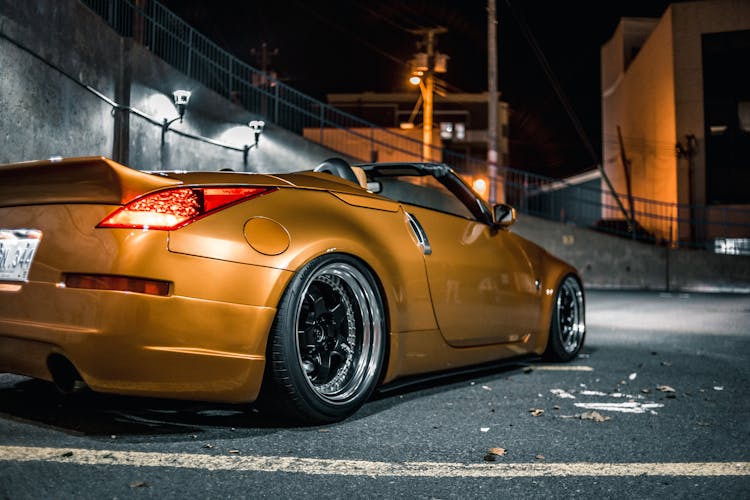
column 64, row 375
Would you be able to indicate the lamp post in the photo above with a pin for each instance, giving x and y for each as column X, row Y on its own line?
column 257, row 126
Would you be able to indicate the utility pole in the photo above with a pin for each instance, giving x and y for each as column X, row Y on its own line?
column 426, row 65
column 263, row 59
column 492, row 153
column 266, row 78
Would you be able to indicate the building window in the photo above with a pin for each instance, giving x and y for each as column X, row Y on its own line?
column 450, row 131
column 726, row 101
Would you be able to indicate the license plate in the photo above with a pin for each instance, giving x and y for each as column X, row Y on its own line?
column 17, row 249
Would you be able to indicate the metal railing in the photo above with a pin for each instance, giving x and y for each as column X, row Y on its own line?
column 154, row 26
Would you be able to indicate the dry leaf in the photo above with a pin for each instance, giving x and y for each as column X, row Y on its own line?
column 493, row 453
column 209, row 446
column 595, row 416
column 235, row 452
column 539, row 457
column 139, row 484
column 556, row 407
column 646, row 391
column 536, row 412
column 665, row 388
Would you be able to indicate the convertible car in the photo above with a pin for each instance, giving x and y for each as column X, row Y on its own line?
column 301, row 292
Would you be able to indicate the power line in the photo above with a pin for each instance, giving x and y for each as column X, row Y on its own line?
column 352, row 35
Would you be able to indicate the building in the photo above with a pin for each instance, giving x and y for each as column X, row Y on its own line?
column 676, row 120
column 460, row 132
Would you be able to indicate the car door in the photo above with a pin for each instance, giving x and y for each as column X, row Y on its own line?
column 481, row 282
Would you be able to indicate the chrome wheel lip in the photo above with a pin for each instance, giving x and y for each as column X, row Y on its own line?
column 571, row 321
column 367, row 334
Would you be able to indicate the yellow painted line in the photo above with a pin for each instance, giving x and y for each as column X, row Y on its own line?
column 563, row 368
column 333, row 467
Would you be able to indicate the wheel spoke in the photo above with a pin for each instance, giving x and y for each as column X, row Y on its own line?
column 319, row 306
column 338, row 316
column 324, row 369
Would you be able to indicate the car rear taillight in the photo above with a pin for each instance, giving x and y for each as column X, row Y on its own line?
column 174, row 208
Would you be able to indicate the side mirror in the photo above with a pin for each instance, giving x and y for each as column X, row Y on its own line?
column 504, row 215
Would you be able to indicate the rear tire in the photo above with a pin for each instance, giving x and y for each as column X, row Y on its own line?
column 327, row 343
column 568, row 326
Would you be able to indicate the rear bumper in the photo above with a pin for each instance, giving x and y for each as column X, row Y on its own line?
column 136, row 344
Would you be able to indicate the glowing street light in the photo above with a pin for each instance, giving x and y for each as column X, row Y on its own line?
column 181, row 99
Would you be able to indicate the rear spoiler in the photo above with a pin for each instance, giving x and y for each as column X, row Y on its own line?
column 75, row 180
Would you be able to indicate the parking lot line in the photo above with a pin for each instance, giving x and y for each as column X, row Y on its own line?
column 334, row 467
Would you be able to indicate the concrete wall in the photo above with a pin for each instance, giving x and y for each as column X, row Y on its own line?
column 50, row 50
column 610, row 262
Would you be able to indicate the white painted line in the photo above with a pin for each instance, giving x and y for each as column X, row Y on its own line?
column 563, row 368
column 627, row 407
column 331, row 467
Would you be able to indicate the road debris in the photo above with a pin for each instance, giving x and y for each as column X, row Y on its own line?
column 595, row 416
column 139, row 484
column 494, row 453
column 484, row 429
column 562, row 394
column 665, row 388
column 536, row 412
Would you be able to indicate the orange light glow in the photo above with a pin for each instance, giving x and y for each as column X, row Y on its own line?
column 414, row 80
column 480, row 187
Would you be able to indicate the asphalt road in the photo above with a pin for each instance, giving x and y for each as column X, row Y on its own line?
column 656, row 407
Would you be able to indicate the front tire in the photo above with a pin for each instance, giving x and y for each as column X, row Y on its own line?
column 327, row 344
column 568, row 326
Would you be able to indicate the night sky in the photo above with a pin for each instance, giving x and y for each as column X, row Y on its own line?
column 363, row 45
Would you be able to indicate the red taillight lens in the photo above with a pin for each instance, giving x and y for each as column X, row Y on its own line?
column 174, row 208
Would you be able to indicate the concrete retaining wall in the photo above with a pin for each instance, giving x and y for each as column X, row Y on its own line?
column 51, row 50
column 611, row 262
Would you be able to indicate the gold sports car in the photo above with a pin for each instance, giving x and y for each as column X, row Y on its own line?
column 301, row 291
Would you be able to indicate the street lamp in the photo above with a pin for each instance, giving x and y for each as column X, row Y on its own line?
column 257, row 127
column 181, row 99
